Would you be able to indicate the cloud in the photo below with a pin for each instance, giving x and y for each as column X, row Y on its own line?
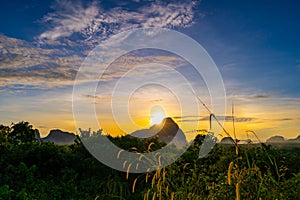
column 206, row 118
column 156, row 100
column 135, row 61
column 229, row 118
column 285, row 119
column 56, row 58
column 24, row 65
column 70, row 18
column 101, row 97
column 261, row 96
column 185, row 117
column 92, row 22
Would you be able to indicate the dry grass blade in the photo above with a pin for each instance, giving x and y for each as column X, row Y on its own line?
column 149, row 146
column 154, row 195
column 147, row 194
column 141, row 156
column 237, row 191
column 219, row 123
column 147, row 176
column 127, row 172
column 153, row 180
column 167, row 189
column 229, row 173
column 119, row 153
column 156, row 154
column 253, row 132
column 133, row 186
column 164, row 175
column 159, row 163
column 172, row 196
column 185, row 165
column 124, row 164
column 134, row 148
column 233, row 120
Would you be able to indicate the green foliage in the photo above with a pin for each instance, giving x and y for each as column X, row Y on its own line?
column 37, row 170
column 19, row 133
column 6, row 192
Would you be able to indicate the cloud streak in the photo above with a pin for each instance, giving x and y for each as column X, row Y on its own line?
column 23, row 64
column 93, row 22
column 261, row 96
column 73, row 29
column 206, row 118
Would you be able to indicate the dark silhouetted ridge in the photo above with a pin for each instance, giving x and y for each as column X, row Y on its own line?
column 167, row 131
column 59, row 137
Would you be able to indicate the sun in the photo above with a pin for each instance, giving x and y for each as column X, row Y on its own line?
column 157, row 114
column 156, row 118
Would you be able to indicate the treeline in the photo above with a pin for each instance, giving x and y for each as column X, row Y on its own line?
column 31, row 169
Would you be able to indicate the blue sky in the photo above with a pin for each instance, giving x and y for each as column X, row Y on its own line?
column 255, row 45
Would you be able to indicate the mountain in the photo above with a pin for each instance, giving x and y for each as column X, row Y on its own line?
column 167, row 131
column 295, row 140
column 58, row 137
column 275, row 139
column 230, row 140
column 281, row 139
column 227, row 140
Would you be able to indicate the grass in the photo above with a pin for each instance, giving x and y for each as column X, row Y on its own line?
column 46, row 171
column 245, row 177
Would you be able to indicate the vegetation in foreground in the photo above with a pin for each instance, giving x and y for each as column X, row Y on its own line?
column 30, row 169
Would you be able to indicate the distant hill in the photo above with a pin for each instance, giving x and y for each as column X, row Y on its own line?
column 229, row 140
column 167, row 131
column 295, row 140
column 58, row 137
column 275, row 139
column 281, row 139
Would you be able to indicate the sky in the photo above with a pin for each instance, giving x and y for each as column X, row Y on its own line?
column 255, row 46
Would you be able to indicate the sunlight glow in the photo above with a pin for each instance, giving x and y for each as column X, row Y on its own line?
column 157, row 118
column 157, row 114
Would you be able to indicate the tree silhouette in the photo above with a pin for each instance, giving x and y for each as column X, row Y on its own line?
column 4, row 134
column 22, row 132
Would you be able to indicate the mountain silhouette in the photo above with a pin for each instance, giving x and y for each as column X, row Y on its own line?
column 227, row 140
column 230, row 140
column 276, row 139
column 167, row 131
column 58, row 137
column 281, row 139
column 295, row 140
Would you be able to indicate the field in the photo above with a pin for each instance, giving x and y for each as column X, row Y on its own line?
column 30, row 169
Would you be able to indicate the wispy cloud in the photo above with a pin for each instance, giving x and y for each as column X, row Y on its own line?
column 92, row 21
column 206, row 118
column 70, row 17
column 285, row 119
column 185, row 117
column 156, row 100
column 27, row 65
column 139, row 58
column 23, row 64
column 261, row 96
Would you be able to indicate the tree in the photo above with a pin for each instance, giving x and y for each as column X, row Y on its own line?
column 22, row 132
column 4, row 135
